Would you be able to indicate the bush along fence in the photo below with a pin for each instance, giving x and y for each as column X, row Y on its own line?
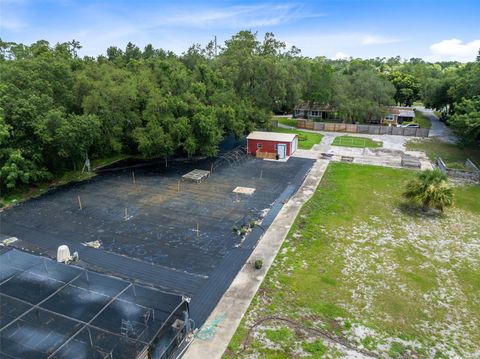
column 471, row 171
column 358, row 128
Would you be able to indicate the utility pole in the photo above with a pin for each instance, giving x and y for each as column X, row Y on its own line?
column 215, row 45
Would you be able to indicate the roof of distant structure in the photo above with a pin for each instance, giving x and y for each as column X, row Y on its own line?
column 402, row 111
column 305, row 106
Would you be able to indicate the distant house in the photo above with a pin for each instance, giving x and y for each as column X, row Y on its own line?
column 312, row 111
column 272, row 145
column 398, row 115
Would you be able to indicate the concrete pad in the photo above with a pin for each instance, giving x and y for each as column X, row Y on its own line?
column 244, row 190
column 305, row 154
column 387, row 157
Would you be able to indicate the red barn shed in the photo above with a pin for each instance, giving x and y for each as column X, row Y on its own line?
column 271, row 144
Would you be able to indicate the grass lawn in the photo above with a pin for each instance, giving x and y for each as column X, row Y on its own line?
column 372, row 272
column 286, row 121
column 69, row 176
column 306, row 140
column 351, row 141
column 451, row 154
column 421, row 120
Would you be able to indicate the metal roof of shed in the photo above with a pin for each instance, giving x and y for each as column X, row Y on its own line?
column 271, row 136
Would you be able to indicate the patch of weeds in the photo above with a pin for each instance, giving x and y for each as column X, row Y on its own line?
column 423, row 280
column 328, row 310
column 406, row 337
column 256, row 344
column 469, row 280
column 243, row 230
column 421, row 352
column 282, row 336
column 317, row 348
column 347, row 325
column 308, row 323
column 397, row 350
column 284, row 279
column 274, row 354
column 328, row 280
column 369, row 343
column 440, row 355
column 272, row 307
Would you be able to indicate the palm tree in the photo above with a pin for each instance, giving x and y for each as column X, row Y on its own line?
column 431, row 189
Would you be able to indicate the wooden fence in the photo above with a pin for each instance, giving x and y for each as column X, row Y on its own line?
column 358, row 128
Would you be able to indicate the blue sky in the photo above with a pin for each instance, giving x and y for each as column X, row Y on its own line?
column 433, row 30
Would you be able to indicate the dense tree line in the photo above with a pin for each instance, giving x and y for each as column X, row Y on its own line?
column 57, row 108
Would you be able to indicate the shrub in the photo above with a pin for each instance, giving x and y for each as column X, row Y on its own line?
column 431, row 189
column 316, row 347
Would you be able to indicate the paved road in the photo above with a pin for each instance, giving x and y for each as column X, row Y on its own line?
column 438, row 129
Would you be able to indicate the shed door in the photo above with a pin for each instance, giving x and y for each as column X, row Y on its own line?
column 294, row 145
column 281, row 150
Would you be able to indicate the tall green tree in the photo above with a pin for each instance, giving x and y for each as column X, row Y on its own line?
column 466, row 121
column 407, row 87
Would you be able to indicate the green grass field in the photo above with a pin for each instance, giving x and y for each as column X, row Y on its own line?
column 363, row 267
column 306, row 140
column 286, row 121
column 351, row 141
column 450, row 153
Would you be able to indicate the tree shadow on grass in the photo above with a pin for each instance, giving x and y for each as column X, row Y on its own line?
column 415, row 210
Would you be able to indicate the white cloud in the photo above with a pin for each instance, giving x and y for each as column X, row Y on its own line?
column 377, row 40
column 341, row 55
column 454, row 49
column 246, row 16
column 172, row 27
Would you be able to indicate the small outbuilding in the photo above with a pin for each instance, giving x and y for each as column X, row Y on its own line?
column 272, row 145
